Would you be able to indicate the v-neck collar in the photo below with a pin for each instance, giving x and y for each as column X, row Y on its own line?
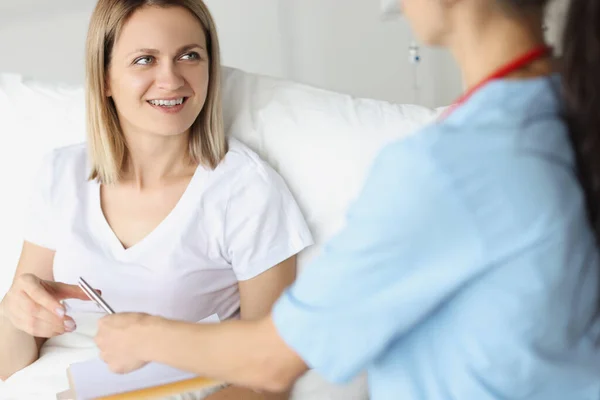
column 156, row 235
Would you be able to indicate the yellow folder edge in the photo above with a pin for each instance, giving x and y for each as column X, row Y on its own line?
column 188, row 385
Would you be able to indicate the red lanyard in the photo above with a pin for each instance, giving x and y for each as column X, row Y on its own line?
column 520, row 62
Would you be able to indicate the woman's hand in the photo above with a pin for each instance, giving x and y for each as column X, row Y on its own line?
column 121, row 342
column 33, row 306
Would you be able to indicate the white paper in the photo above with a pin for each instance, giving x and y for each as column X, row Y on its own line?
column 94, row 379
column 213, row 319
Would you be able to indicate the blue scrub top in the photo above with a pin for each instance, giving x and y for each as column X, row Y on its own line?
column 467, row 268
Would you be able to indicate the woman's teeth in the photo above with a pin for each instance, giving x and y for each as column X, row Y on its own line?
column 167, row 103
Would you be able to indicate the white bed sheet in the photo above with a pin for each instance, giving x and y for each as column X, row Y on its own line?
column 46, row 377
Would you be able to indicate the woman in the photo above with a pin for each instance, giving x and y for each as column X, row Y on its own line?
column 165, row 216
column 468, row 268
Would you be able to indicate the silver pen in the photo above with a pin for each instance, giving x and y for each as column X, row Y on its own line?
column 95, row 297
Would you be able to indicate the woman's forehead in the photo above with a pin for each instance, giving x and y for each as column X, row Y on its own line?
column 163, row 29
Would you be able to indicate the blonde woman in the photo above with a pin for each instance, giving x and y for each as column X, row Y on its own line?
column 159, row 211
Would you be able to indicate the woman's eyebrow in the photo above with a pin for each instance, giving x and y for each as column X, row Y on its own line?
column 155, row 51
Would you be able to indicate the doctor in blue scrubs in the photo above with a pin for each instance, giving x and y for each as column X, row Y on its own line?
column 468, row 267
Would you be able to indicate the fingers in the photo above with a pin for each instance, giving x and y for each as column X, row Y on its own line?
column 39, row 322
column 34, row 306
column 39, row 295
column 69, row 324
column 64, row 291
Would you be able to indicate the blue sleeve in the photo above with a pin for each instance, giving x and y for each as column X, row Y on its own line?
column 408, row 244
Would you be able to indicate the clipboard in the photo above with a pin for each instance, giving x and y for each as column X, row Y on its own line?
column 153, row 392
column 153, row 381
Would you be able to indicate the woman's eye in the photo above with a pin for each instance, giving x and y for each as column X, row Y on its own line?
column 146, row 60
column 191, row 56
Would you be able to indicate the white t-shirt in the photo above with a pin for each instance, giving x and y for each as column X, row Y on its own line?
column 231, row 224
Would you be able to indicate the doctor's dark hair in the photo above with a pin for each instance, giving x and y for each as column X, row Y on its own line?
column 580, row 64
column 581, row 90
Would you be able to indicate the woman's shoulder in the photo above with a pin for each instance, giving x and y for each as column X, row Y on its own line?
column 241, row 163
column 71, row 154
column 67, row 165
column 240, row 155
column 243, row 176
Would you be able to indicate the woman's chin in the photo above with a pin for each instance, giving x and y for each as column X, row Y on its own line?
column 168, row 130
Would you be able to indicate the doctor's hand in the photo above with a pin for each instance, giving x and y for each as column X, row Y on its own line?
column 33, row 306
column 120, row 341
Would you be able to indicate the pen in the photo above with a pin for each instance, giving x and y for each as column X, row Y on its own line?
column 95, row 297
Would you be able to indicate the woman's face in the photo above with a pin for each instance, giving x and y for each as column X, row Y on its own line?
column 428, row 20
column 159, row 71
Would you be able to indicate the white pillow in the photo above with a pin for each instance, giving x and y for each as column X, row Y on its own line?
column 34, row 118
column 321, row 142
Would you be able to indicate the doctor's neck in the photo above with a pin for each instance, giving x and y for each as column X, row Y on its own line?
column 484, row 42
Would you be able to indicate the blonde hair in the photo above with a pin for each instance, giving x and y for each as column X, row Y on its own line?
column 107, row 146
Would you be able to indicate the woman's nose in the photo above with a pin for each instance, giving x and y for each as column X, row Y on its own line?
column 169, row 77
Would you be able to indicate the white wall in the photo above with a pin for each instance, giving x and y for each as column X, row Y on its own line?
column 44, row 45
column 249, row 35
column 557, row 13
column 340, row 45
column 344, row 45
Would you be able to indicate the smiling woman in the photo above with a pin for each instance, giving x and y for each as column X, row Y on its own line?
column 146, row 66
column 160, row 211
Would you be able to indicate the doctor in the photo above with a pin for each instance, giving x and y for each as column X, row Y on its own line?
column 468, row 267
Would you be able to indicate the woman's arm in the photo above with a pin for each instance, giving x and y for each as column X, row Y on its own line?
column 18, row 348
column 257, row 296
column 31, row 311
